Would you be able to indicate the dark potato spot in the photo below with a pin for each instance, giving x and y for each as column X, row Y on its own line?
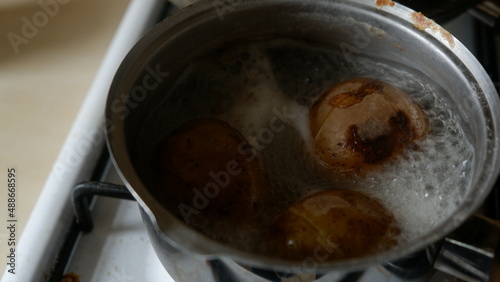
column 382, row 147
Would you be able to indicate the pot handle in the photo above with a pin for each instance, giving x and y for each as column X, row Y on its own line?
column 471, row 252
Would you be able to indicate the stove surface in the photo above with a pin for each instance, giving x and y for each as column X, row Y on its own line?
column 118, row 247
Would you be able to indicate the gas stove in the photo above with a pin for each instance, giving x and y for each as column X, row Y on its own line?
column 54, row 247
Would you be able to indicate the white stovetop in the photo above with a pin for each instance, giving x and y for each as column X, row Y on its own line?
column 42, row 88
column 118, row 248
column 53, row 208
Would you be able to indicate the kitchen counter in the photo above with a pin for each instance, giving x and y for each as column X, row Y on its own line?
column 49, row 55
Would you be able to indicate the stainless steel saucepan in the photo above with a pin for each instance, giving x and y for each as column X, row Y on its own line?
column 355, row 29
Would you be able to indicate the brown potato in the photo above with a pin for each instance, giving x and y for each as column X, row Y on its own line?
column 210, row 175
column 361, row 123
column 332, row 225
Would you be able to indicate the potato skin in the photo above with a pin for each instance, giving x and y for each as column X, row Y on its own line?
column 210, row 176
column 361, row 123
column 332, row 225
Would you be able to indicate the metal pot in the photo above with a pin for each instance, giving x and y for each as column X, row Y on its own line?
column 358, row 28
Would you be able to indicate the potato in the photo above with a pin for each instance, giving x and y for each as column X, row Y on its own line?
column 360, row 123
column 332, row 225
column 211, row 176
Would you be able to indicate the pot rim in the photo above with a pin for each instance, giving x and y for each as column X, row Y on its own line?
column 173, row 230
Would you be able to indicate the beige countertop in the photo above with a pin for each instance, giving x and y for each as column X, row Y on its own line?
column 49, row 56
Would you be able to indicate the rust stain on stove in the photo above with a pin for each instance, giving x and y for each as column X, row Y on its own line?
column 422, row 22
column 382, row 3
column 70, row 277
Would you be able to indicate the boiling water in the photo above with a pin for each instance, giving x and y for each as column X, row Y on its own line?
column 265, row 90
